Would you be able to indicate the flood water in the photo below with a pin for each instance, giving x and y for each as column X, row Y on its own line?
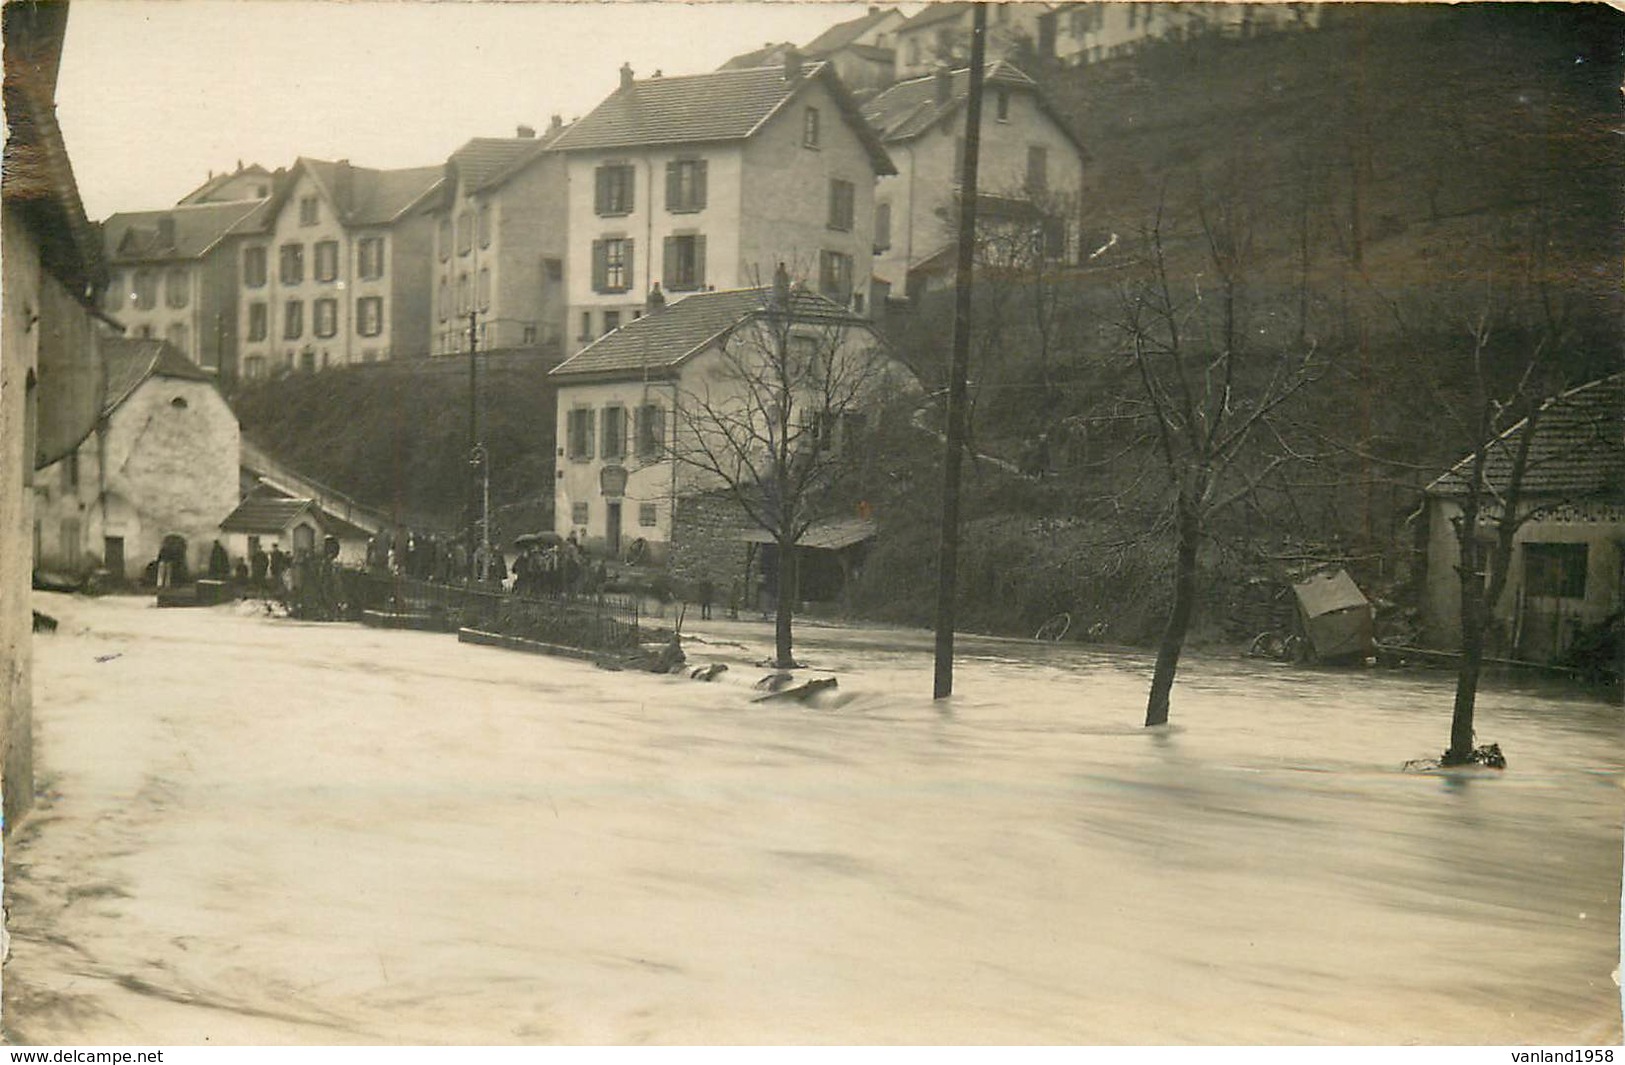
column 256, row 830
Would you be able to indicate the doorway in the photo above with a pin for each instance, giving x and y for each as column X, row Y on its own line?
column 113, row 556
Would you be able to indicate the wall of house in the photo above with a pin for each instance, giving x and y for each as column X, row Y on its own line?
column 279, row 351
column 20, row 282
column 649, row 480
column 647, row 226
column 405, row 288
column 921, row 49
column 708, row 544
column 923, row 188
column 1527, row 626
column 786, row 202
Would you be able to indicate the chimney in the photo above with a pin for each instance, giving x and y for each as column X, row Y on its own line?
column 344, row 185
column 626, row 76
column 792, row 64
column 657, row 299
column 166, row 231
column 525, row 132
column 781, row 288
column 555, row 124
column 945, row 85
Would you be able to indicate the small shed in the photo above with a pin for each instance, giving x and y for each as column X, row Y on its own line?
column 298, row 525
column 1336, row 616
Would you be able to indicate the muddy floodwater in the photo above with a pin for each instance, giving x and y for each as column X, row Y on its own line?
column 252, row 830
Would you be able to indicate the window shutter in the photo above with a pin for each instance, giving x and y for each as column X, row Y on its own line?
column 601, row 190
column 699, row 263
column 657, row 429
column 674, row 189
column 587, row 420
column 630, row 278
column 600, row 268
column 668, row 273
column 699, row 184
column 834, row 202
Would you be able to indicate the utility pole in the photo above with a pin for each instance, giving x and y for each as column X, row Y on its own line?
column 473, row 430
column 948, row 556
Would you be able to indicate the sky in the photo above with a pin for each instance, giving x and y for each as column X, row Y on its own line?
column 154, row 94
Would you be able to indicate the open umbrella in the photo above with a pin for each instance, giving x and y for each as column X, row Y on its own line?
column 545, row 538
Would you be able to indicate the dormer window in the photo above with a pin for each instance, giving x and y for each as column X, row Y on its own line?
column 809, row 128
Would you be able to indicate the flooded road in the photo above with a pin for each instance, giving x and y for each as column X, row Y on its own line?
column 257, row 830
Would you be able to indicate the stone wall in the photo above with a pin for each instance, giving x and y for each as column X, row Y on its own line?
column 707, row 543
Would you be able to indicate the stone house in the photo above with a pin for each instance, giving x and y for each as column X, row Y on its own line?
column 499, row 245
column 939, row 35
column 1030, row 174
column 1568, row 563
column 162, row 460
column 334, row 269
column 51, row 273
column 626, row 411
column 708, row 181
column 173, row 275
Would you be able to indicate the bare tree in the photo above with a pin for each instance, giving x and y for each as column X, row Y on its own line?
column 773, row 418
column 1209, row 394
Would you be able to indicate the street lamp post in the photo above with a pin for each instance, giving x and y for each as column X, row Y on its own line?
column 479, row 525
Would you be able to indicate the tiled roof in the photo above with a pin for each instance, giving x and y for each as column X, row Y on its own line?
column 131, row 360
column 664, row 340
column 1578, row 451
column 910, row 108
column 202, row 193
column 933, row 14
column 764, row 56
column 488, row 161
column 842, row 34
column 262, row 512
column 362, row 196
column 724, row 105
column 134, row 236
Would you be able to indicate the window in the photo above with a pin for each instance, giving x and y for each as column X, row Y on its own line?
column 1037, row 168
column 612, row 265
column 370, row 258
column 809, row 128
column 649, row 433
column 685, row 264
column 327, row 317
column 483, row 292
column 586, row 326
column 579, row 443
column 485, row 225
column 254, row 266
column 647, row 515
column 309, row 211
column 841, row 198
column 465, row 295
column 913, row 51
column 578, row 513
column 1003, row 105
column 1555, row 570
column 613, row 190
column 327, row 260
column 882, row 227
column 258, row 324
column 614, row 433
column 465, row 233
column 292, row 264
column 612, row 321
column 685, row 185
column 1052, row 236
column 835, row 275
column 177, row 288
column 146, row 290
column 369, row 313
column 115, row 292
column 293, row 320
column 178, row 335
column 445, row 299
column 529, row 335
column 444, row 238
column 255, row 366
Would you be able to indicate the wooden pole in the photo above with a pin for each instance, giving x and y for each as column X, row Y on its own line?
column 948, row 555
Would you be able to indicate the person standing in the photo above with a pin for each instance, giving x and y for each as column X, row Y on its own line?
column 258, row 562
column 707, row 591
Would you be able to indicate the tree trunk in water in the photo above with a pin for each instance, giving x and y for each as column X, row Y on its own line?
column 1179, row 619
column 789, row 590
column 1473, row 614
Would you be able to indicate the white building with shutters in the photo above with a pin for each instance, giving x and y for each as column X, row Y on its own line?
column 708, row 182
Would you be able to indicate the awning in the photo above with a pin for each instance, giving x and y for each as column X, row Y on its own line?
column 822, row 535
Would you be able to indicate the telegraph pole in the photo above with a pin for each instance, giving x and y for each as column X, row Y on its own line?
column 473, row 432
column 948, row 556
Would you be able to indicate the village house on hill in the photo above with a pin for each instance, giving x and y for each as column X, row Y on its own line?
column 252, row 182
column 1568, row 564
column 708, row 181
column 334, row 269
column 626, row 411
column 860, row 49
column 1090, row 32
column 174, row 276
column 1030, row 172
column 161, row 461
column 499, row 245
column 940, row 34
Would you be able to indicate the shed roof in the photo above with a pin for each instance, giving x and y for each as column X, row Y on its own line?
column 724, row 105
column 659, row 342
column 822, row 535
column 131, row 360
column 263, row 511
column 1578, row 451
